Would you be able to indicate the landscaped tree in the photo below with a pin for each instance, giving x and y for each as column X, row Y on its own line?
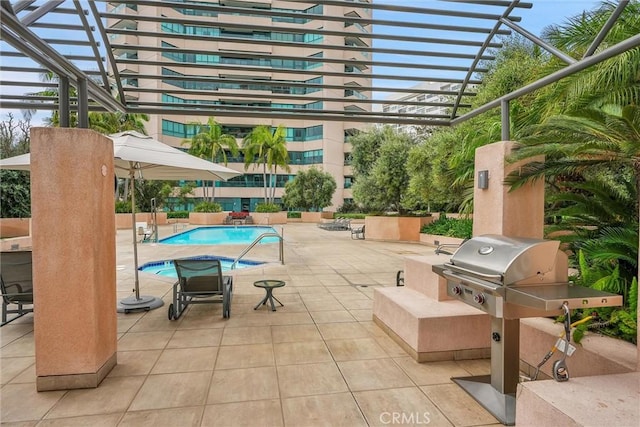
column 15, row 191
column 310, row 190
column 379, row 158
column 267, row 147
column 211, row 143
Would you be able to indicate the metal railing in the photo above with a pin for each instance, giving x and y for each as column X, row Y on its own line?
column 256, row 241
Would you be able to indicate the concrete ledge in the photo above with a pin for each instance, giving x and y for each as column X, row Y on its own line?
column 429, row 329
column 595, row 355
column 606, row 400
column 75, row 381
column 419, row 276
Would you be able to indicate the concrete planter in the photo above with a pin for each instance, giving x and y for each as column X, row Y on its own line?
column 207, row 218
column 269, row 218
column 14, row 227
column 395, row 227
column 316, row 217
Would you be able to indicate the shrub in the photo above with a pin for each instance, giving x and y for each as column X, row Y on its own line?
column 350, row 215
column 267, row 207
column 450, row 227
column 294, row 214
column 177, row 214
column 123, row 207
column 208, row 207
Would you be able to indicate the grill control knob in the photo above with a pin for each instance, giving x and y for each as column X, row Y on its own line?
column 479, row 298
column 456, row 290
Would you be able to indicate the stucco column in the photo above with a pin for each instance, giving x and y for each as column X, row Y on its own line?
column 496, row 210
column 74, row 256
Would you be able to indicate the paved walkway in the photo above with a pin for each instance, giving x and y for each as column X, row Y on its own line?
column 317, row 361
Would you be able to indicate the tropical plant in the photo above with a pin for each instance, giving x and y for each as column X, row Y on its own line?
column 267, row 147
column 210, row 207
column 310, row 190
column 211, row 143
column 267, row 207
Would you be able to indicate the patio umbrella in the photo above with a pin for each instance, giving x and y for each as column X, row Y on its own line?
column 141, row 156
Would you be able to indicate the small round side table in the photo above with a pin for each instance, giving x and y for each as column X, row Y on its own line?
column 269, row 286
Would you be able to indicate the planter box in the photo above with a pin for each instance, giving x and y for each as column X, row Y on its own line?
column 123, row 220
column 395, row 227
column 436, row 240
column 316, row 217
column 269, row 218
column 14, row 227
column 207, row 218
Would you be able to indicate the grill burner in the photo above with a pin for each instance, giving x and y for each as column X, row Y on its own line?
column 510, row 278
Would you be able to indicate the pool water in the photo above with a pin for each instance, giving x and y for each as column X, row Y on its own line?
column 166, row 268
column 220, row 235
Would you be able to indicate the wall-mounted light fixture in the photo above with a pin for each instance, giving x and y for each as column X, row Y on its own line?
column 483, row 179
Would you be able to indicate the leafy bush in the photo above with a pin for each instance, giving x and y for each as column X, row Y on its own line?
column 123, row 207
column 208, row 207
column 450, row 227
column 177, row 214
column 294, row 214
column 267, row 207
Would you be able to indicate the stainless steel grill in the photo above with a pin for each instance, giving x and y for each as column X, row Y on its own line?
column 510, row 278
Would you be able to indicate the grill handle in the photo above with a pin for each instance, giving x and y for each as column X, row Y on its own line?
column 475, row 273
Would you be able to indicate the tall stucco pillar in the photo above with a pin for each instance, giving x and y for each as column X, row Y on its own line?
column 73, row 257
column 496, row 210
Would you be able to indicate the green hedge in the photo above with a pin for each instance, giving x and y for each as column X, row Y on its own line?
column 210, row 207
column 294, row 214
column 267, row 207
column 349, row 215
column 450, row 227
column 177, row 214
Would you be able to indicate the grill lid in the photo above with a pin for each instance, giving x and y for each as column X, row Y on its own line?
column 508, row 259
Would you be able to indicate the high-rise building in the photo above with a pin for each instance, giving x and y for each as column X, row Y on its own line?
column 287, row 58
column 427, row 98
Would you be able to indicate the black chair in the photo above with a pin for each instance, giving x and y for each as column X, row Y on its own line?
column 200, row 281
column 16, row 284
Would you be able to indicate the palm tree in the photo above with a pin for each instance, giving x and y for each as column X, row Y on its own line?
column 211, row 143
column 266, row 147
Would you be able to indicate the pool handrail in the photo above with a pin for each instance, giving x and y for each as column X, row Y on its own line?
column 255, row 242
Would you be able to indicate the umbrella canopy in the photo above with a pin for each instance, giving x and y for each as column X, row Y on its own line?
column 156, row 160
column 149, row 158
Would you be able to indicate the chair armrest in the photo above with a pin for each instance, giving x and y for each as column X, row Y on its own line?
column 13, row 285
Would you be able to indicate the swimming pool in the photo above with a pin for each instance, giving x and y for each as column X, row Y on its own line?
column 166, row 268
column 220, row 235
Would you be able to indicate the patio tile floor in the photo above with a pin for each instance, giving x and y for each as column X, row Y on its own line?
column 319, row 360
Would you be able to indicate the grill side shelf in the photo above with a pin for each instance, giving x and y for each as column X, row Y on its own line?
column 550, row 297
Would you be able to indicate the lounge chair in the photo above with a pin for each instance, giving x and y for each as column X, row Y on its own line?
column 200, row 281
column 248, row 219
column 339, row 224
column 357, row 233
column 16, row 284
column 144, row 232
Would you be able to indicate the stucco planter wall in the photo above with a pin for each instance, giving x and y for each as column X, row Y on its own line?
column 395, row 227
column 207, row 218
column 316, row 216
column 435, row 240
column 14, row 227
column 123, row 220
column 268, row 218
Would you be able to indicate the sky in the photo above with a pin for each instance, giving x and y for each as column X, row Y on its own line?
column 542, row 14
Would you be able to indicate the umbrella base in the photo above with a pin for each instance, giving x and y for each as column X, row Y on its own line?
column 144, row 302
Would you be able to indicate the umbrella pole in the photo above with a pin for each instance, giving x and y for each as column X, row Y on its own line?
column 136, row 302
column 135, row 235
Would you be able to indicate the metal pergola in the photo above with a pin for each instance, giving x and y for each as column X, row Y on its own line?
column 395, row 48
